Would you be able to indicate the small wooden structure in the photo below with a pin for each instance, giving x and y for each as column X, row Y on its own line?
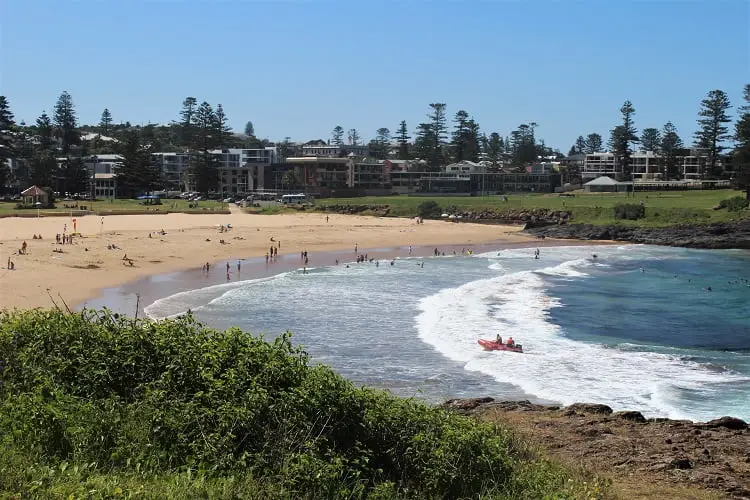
column 34, row 195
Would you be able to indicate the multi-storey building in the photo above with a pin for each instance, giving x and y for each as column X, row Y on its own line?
column 333, row 151
column 174, row 168
column 646, row 165
column 598, row 164
column 102, row 170
column 321, row 176
column 240, row 170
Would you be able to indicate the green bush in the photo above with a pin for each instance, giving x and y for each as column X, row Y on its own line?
column 91, row 401
column 429, row 210
column 629, row 211
column 735, row 203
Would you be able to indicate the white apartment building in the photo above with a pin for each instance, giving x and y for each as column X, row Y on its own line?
column 464, row 168
column 243, row 170
column 102, row 171
column 646, row 165
column 598, row 164
column 240, row 170
column 174, row 168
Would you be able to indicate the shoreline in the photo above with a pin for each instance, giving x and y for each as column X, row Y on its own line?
column 138, row 294
column 96, row 261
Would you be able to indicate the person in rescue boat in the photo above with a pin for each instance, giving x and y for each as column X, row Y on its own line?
column 510, row 342
column 499, row 339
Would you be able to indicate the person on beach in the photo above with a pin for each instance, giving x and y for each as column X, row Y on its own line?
column 266, row 258
column 207, row 267
column 326, row 219
column 355, row 248
column 239, row 266
column 227, row 267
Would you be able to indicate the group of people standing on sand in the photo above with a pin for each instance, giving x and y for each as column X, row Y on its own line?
column 62, row 239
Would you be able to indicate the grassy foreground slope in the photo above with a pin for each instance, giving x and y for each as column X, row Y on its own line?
column 662, row 208
column 94, row 405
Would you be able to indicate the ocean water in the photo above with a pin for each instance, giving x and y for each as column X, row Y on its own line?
column 635, row 327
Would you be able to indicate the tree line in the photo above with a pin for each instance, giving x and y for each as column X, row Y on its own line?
column 201, row 128
column 711, row 137
column 437, row 145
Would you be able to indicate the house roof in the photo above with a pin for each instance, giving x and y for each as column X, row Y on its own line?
column 33, row 191
column 602, row 181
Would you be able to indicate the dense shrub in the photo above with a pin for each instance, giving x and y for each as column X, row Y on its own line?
column 735, row 203
column 629, row 211
column 94, row 402
column 429, row 210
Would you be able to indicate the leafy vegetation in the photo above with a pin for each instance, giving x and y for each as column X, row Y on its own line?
column 429, row 209
column 735, row 204
column 96, row 405
column 629, row 211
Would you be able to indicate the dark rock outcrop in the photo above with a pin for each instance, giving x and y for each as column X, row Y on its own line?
column 633, row 416
column 716, row 235
column 589, row 408
column 732, row 423
column 346, row 209
column 712, row 455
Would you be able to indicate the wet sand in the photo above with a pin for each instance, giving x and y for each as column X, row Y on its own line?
column 131, row 298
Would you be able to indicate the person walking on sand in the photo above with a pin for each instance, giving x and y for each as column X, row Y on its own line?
column 355, row 248
column 239, row 266
column 326, row 219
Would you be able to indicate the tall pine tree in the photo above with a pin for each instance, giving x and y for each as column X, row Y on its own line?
column 137, row 172
column 402, row 137
column 222, row 129
column 713, row 129
column 187, row 120
column 439, row 133
column 622, row 136
column 204, row 165
column 7, row 150
column 105, row 123
column 742, row 153
column 593, row 143
column 337, row 135
column 66, row 123
column 495, row 149
column 651, row 140
column 670, row 146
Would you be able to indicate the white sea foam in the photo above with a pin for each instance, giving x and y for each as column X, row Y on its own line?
column 176, row 304
column 553, row 367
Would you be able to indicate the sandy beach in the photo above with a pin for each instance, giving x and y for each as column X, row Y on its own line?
column 90, row 263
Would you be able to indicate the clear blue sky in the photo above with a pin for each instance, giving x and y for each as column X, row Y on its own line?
column 298, row 68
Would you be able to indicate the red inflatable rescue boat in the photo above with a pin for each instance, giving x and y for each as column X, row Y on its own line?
column 491, row 345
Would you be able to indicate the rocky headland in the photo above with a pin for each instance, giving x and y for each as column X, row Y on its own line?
column 714, row 236
column 629, row 448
